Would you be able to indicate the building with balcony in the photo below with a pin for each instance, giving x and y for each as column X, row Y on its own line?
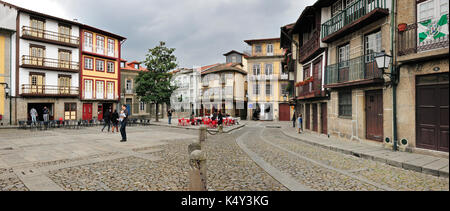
column 184, row 99
column 311, row 96
column 223, row 88
column 422, row 33
column 100, row 71
column 47, row 66
column 268, row 84
column 360, row 105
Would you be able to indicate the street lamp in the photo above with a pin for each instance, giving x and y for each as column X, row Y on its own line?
column 383, row 61
column 7, row 89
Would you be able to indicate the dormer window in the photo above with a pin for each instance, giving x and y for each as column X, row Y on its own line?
column 136, row 66
column 122, row 64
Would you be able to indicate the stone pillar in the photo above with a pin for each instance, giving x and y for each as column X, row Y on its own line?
column 197, row 173
column 202, row 134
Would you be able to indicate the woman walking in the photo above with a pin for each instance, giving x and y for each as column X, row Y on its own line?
column 115, row 121
column 300, row 123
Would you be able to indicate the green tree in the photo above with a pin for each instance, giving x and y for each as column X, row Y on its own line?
column 153, row 86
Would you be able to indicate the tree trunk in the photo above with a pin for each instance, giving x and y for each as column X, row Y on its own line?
column 157, row 111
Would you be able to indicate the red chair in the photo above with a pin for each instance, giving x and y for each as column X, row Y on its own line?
column 179, row 122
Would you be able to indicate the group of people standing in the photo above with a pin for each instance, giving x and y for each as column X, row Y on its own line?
column 115, row 118
column 45, row 115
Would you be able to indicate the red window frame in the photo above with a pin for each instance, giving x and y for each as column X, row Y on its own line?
column 104, row 64
column 114, row 67
column 84, row 62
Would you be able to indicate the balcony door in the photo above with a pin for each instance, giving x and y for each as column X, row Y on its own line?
column 36, row 83
column 343, row 59
column 88, row 89
column 64, row 83
column 64, row 33
column 64, row 59
column 37, row 27
column 37, row 54
column 372, row 44
column 317, row 75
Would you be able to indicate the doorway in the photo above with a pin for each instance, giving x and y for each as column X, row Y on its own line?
column 374, row 115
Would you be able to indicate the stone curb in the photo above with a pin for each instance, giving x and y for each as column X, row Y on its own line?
column 370, row 155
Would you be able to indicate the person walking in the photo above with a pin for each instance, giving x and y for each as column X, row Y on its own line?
column 107, row 120
column 33, row 114
column 300, row 123
column 294, row 119
column 169, row 115
column 46, row 116
column 115, row 121
column 123, row 123
column 220, row 118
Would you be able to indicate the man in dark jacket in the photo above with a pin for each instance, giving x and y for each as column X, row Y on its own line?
column 115, row 121
column 107, row 119
column 123, row 120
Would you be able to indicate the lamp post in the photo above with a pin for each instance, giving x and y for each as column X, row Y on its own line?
column 384, row 61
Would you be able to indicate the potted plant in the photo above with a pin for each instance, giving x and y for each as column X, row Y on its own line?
column 402, row 27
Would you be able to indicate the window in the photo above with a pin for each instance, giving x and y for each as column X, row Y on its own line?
column 37, row 27
column 88, row 41
column 141, row 106
column 268, row 90
column 136, row 66
column 256, row 89
column 372, row 44
column 64, row 83
column 100, row 65
column 100, row 45
column 110, row 90
column 88, row 89
column 233, row 59
column 100, row 89
column 284, row 90
column 37, row 82
column 64, row 58
column 336, row 8
column 111, row 47
column 270, row 49
column 257, row 69
column 111, row 68
column 258, row 48
column 88, row 63
column 345, row 104
column 344, row 56
column 269, row 69
column 122, row 64
column 70, row 111
column 64, row 33
column 37, row 54
column 129, row 85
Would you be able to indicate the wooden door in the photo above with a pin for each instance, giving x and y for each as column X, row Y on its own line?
column 432, row 122
column 87, row 111
column 324, row 118
column 285, row 112
column 315, row 117
column 374, row 115
column 317, row 75
column 307, row 116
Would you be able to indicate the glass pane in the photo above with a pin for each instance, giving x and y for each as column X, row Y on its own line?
column 427, row 79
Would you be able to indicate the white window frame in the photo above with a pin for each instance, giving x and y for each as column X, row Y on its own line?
column 88, row 41
column 88, row 63
column 100, row 90
column 110, row 67
column 88, row 88
column 111, row 47
column 100, row 44
column 269, row 49
column 256, row 69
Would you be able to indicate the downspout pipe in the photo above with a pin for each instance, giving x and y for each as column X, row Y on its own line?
column 395, row 77
column 10, row 76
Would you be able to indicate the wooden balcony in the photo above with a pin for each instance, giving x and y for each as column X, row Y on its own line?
column 28, row 90
column 410, row 42
column 50, row 37
column 358, row 71
column 355, row 16
column 310, row 48
column 49, row 64
column 311, row 90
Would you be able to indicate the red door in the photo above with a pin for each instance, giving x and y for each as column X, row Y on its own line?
column 100, row 112
column 314, row 117
column 324, row 118
column 307, row 117
column 432, row 121
column 285, row 112
column 374, row 115
column 87, row 111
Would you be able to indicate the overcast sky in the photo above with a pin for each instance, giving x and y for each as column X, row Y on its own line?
column 200, row 30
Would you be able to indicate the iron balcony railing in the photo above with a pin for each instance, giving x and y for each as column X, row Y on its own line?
column 47, row 90
column 50, row 35
column 357, row 69
column 314, row 88
column 419, row 37
column 49, row 63
column 350, row 14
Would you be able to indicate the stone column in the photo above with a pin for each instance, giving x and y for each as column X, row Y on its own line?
column 202, row 134
column 197, row 173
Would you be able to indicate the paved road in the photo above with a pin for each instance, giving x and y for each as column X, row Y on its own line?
column 253, row 158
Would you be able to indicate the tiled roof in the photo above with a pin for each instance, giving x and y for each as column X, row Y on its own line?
column 130, row 66
column 224, row 67
column 261, row 40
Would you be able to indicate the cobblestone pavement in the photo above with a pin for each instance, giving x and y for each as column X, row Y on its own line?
column 156, row 159
column 323, row 169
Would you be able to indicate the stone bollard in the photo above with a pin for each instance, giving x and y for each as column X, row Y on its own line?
column 194, row 146
column 197, row 173
column 220, row 128
column 202, row 134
